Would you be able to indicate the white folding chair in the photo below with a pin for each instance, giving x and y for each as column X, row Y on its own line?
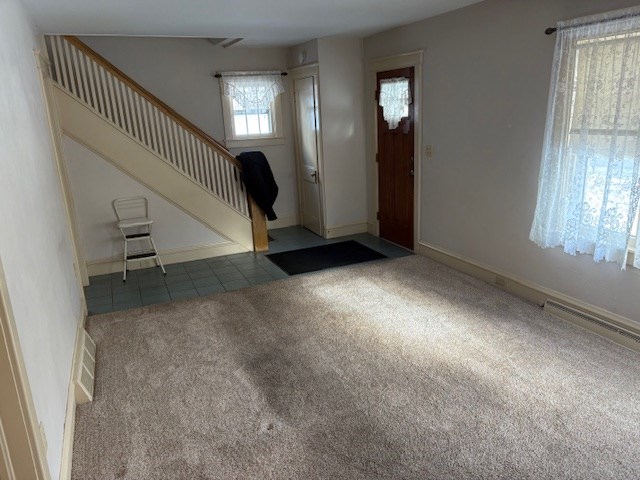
column 135, row 226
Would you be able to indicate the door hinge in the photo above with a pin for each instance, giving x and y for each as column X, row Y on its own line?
column 376, row 158
column 377, row 215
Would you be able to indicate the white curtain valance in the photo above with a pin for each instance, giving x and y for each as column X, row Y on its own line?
column 394, row 98
column 589, row 184
column 252, row 90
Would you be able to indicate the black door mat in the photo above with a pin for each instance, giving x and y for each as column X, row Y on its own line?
column 326, row 256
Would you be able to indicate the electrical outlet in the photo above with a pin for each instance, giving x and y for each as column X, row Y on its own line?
column 500, row 281
column 428, row 151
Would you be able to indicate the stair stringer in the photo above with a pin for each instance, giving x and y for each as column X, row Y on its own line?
column 91, row 130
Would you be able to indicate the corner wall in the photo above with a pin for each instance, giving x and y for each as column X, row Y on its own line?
column 343, row 134
column 35, row 243
column 486, row 75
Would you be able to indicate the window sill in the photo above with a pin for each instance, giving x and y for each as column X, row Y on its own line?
column 255, row 142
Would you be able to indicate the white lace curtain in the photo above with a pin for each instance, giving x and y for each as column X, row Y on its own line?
column 394, row 98
column 589, row 182
column 252, row 90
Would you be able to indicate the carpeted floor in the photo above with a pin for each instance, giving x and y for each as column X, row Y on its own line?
column 395, row 369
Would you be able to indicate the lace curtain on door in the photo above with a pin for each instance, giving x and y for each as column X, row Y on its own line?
column 394, row 98
column 589, row 182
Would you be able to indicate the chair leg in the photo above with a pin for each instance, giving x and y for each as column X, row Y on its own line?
column 158, row 261
column 124, row 267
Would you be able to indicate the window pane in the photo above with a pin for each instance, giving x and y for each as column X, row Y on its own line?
column 252, row 122
column 395, row 97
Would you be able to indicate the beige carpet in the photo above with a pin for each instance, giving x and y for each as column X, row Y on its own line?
column 396, row 369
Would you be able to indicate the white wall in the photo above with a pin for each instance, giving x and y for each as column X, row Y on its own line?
column 486, row 75
column 343, row 133
column 35, row 245
column 95, row 183
column 179, row 72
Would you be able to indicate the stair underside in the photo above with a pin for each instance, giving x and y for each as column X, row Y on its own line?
column 85, row 126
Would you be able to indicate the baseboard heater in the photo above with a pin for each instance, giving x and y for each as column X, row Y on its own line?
column 612, row 331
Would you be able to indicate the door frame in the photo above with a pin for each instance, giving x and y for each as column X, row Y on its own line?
column 311, row 70
column 382, row 64
column 21, row 444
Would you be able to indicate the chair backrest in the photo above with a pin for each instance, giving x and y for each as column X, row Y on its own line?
column 131, row 207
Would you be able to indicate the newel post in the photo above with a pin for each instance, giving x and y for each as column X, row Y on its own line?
column 258, row 226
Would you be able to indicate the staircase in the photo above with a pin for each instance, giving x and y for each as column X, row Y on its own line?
column 105, row 110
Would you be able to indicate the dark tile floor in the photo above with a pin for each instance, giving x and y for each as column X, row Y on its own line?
column 107, row 293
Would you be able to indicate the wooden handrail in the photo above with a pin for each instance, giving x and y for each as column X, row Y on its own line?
column 258, row 221
column 203, row 136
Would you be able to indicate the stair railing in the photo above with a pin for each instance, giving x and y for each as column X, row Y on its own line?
column 125, row 104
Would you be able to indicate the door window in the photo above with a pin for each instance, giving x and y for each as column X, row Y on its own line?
column 395, row 98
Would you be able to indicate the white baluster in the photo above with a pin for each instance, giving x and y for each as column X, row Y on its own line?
column 145, row 121
column 217, row 174
column 83, row 76
column 95, row 74
column 107, row 93
column 165, row 137
column 152, row 127
column 56, row 62
column 123, row 117
column 71, row 85
column 91, row 82
column 132, row 113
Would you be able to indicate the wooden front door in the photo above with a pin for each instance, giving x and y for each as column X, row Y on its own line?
column 396, row 156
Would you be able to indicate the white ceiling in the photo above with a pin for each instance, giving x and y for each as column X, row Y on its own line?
column 259, row 22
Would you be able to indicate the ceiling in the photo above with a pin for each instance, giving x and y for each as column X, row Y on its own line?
column 259, row 22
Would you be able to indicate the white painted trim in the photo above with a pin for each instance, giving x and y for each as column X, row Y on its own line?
column 70, row 419
column 344, row 230
column 254, row 142
column 283, row 222
column 11, row 353
column 175, row 255
column 6, row 467
column 526, row 289
column 300, row 68
column 410, row 59
column 231, row 140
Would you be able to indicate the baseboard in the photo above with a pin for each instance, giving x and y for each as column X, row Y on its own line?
column 527, row 289
column 283, row 222
column 344, row 230
column 70, row 417
column 177, row 255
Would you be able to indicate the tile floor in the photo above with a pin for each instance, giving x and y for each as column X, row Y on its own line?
column 107, row 293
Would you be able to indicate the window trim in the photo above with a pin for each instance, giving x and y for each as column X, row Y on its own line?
column 233, row 140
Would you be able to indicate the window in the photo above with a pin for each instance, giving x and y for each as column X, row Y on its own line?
column 252, row 108
column 589, row 183
column 395, row 98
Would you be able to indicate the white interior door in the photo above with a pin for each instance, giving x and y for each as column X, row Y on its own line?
column 307, row 125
